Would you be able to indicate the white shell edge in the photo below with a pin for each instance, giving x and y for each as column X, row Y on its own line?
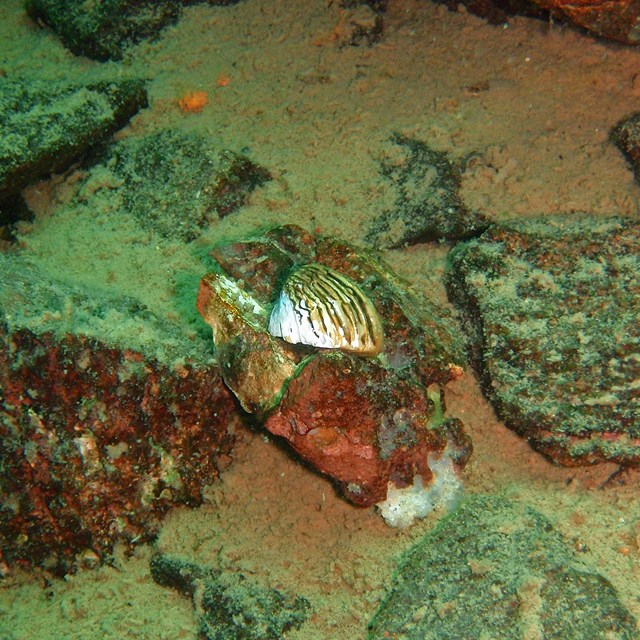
column 294, row 325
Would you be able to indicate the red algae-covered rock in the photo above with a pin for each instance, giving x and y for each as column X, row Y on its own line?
column 617, row 20
column 98, row 436
column 368, row 422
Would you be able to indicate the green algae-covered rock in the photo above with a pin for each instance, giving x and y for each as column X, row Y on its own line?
column 176, row 183
column 497, row 569
column 103, row 30
column 552, row 309
column 47, row 125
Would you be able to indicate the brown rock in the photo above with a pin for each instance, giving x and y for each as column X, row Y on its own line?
column 617, row 20
column 626, row 136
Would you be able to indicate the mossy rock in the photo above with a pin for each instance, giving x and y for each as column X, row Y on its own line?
column 497, row 569
column 551, row 308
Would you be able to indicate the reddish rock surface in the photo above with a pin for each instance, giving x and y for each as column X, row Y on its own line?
column 109, row 415
column 617, row 20
column 362, row 426
column 97, row 443
column 362, row 421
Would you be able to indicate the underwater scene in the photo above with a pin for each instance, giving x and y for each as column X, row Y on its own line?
column 319, row 320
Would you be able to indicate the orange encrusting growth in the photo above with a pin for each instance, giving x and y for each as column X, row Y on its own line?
column 193, row 102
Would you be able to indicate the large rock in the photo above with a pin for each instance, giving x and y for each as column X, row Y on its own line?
column 51, row 125
column 498, row 569
column 618, row 20
column 104, row 30
column 109, row 416
column 551, row 307
column 366, row 422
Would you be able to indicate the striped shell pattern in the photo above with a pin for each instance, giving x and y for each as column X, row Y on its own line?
column 323, row 308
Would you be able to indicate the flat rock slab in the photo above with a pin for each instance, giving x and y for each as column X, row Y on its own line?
column 551, row 308
column 46, row 126
column 363, row 421
column 497, row 569
column 231, row 605
column 427, row 204
column 176, row 183
column 109, row 416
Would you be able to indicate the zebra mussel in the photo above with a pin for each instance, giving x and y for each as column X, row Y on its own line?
column 320, row 307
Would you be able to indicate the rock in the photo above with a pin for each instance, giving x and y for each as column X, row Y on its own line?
column 109, row 415
column 551, row 307
column 498, row 11
column 175, row 183
column 626, row 136
column 427, row 202
column 618, row 20
column 104, row 30
column 231, row 605
column 379, row 6
column 366, row 422
column 52, row 125
column 498, row 569
column 365, row 26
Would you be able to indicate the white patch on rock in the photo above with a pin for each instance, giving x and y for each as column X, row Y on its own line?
column 404, row 505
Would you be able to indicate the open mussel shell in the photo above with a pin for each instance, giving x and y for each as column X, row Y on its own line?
column 320, row 307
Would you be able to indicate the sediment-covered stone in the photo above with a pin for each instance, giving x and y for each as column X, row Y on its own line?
column 551, row 307
column 50, row 125
column 626, row 136
column 427, row 204
column 231, row 605
column 176, row 183
column 498, row 569
column 104, row 30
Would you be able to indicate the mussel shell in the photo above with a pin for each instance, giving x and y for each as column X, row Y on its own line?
column 320, row 307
